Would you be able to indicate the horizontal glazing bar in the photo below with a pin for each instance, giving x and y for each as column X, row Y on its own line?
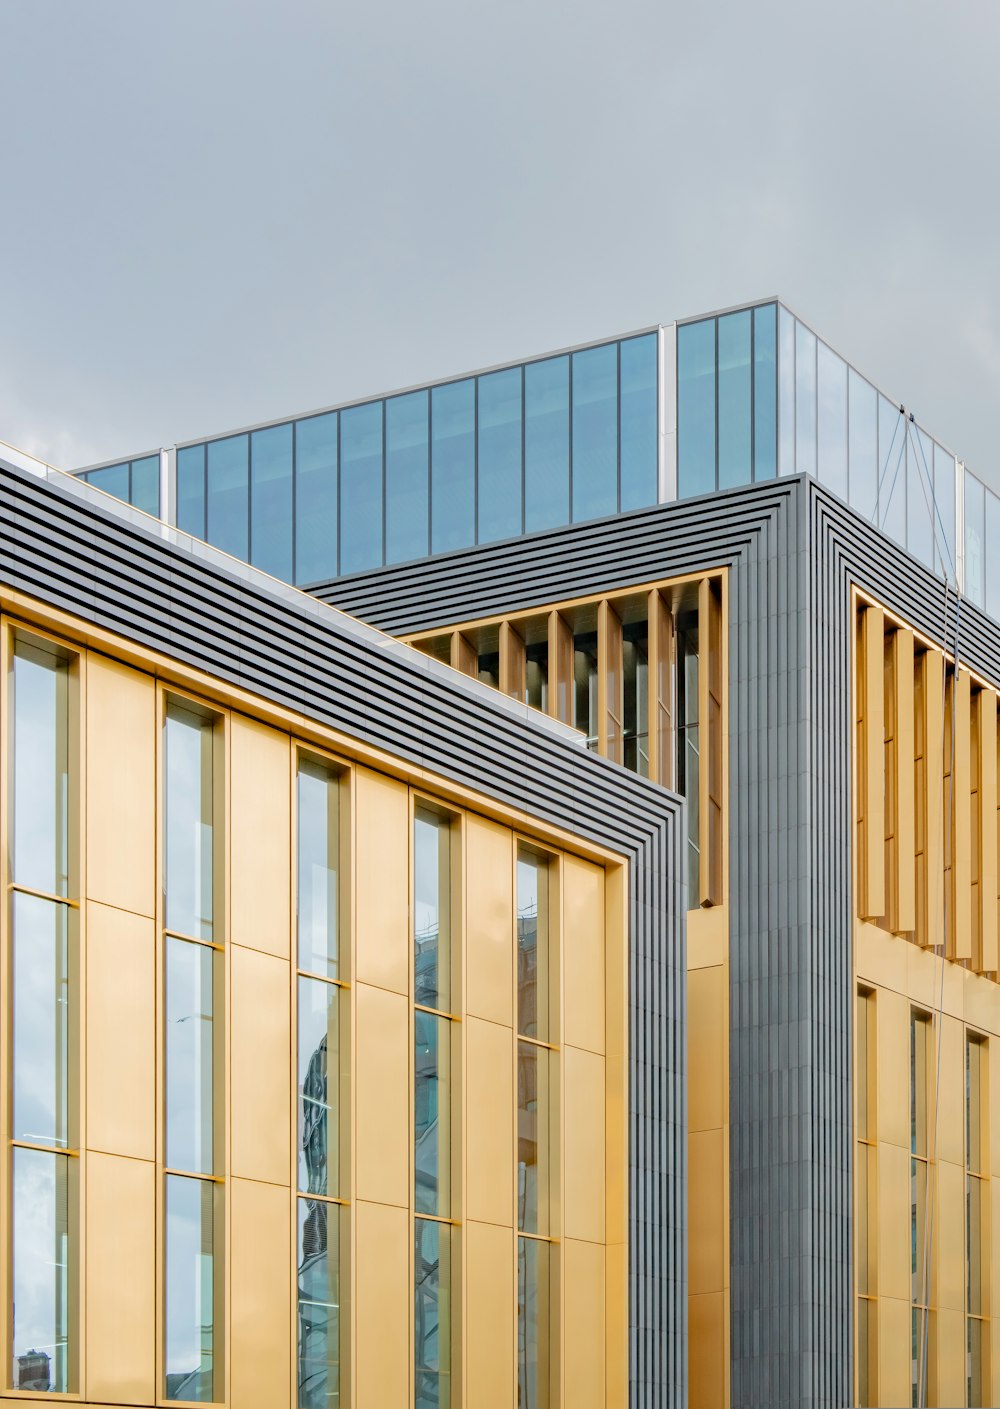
column 44, row 1149
column 14, row 887
column 217, row 945
column 323, row 978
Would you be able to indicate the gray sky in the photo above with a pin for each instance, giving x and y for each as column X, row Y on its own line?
column 216, row 213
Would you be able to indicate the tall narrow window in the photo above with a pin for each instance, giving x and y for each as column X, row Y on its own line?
column 321, row 1009
column 867, row 1186
column 976, row 1202
column 192, row 957
column 688, row 751
column 536, row 1083
column 43, row 1111
column 920, row 1175
column 585, row 687
column 432, row 1124
column 635, row 649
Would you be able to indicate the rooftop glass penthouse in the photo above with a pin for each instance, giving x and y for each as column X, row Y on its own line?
column 664, row 413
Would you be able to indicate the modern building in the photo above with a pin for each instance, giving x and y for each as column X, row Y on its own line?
column 729, row 566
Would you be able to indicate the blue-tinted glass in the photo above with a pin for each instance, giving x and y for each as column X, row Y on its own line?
column 734, row 399
column 146, row 484
column 786, row 392
column 316, row 498
column 113, row 479
column 595, row 432
column 975, row 539
column 891, row 470
column 361, row 487
column 546, row 444
column 406, row 511
column 499, row 455
column 992, row 532
column 271, row 500
column 696, row 408
column 919, row 528
column 453, row 466
column 638, row 421
column 862, row 439
column 191, row 490
column 831, row 419
column 944, row 493
column 228, row 495
column 805, row 400
column 765, row 392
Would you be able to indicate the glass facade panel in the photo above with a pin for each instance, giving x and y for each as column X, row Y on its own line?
column 432, row 1314
column 944, row 493
column 271, row 501
column 191, row 490
column 190, row 1066
column 765, row 392
column 536, row 675
column 189, row 1329
column 786, row 392
column 189, row 830
column 42, row 1271
column 546, row 444
column 316, row 499
column 920, row 536
column 145, row 485
column 318, row 1282
column 974, row 1351
column 638, row 422
column 695, row 408
column 407, row 505
column 432, row 1112
column 453, row 466
column 112, row 479
column 40, row 832
column 318, row 843
column 319, row 1087
column 635, row 662
column 735, row 416
column 805, row 400
column 431, row 910
column 41, row 1067
column 892, row 470
column 991, row 531
column 863, row 445
column 533, row 1141
column 595, row 432
column 975, row 539
column 585, row 687
column 533, row 996
column 499, row 478
column 533, row 1374
column 831, row 419
column 227, row 506
column 361, row 487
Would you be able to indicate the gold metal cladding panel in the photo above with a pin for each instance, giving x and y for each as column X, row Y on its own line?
column 873, row 760
column 121, row 791
column 892, row 1030
column 120, row 1032
column 584, row 1360
column 383, row 1306
column 894, row 1349
column 706, row 1205
column 950, row 1357
column 986, row 705
column 489, row 1122
column 512, row 661
column 893, row 1274
column 706, row 1044
column 489, row 1316
column 932, row 664
column 904, row 880
column 260, row 837
column 260, row 1292
column 961, row 875
column 992, row 1267
column 382, row 905
column 489, row 919
column 382, row 1096
column 706, row 1322
column 120, row 1293
column 584, row 955
column 261, row 1077
column 949, row 1235
column 583, row 1106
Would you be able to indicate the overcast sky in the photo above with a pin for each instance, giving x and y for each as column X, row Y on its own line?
column 216, row 213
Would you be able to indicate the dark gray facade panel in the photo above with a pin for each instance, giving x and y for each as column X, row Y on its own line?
column 74, row 553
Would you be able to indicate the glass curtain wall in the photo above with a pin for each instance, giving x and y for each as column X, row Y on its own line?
column 137, row 482
column 321, row 1013
column 921, row 1321
column 43, row 999
column 192, row 973
column 977, row 1193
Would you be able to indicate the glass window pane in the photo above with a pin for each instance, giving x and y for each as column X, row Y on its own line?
column 191, row 490
column 918, row 1230
column 595, row 432
column 533, row 995
column 696, row 408
column 44, row 1270
column 992, row 535
column 41, row 769
column 862, row 432
column 585, row 685
column 271, row 501
column 864, row 1351
column 316, row 499
column 228, row 516
column 635, row 662
column 113, row 479
column 533, row 1341
column 189, row 1330
column 41, row 1070
column 734, row 399
column 974, row 1244
column 975, row 1354
column 973, row 1109
column 536, row 674
column 688, row 757
column 638, row 422
column 805, row 400
column 499, row 456
column 918, row 1084
column 919, row 526
column 188, row 830
column 453, row 466
column 361, row 487
column 189, row 1056
column 534, row 1149
column 432, row 1314
column 318, row 1349
column 318, row 835
column 406, row 483
column 319, row 1087
column 431, row 910
column 546, row 444
column 944, row 493
column 786, row 392
column 765, row 392
column 432, row 1113
column 146, row 484
column 892, row 471
column 975, row 539
column 831, row 419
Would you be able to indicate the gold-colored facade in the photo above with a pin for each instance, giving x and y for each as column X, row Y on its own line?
column 245, row 1174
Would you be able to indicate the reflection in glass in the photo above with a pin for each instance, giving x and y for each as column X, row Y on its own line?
column 42, row 1271
column 361, row 487
column 112, row 479
column 862, row 444
column 318, row 840
column 546, row 444
column 41, row 769
column 892, row 471
column 533, row 1148
column 188, row 763
column 918, row 1084
column 145, row 485
column 191, row 490
column 316, row 498
column 595, row 432
column 432, row 1113
column 533, row 1323
column 189, row 1322
column 944, row 494
column 696, row 408
column 831, row 419
column 41, row 1071
column 635, row 657
column 189, row 1055
column 638, row 420
column 805, row 400
column 919, row 490
column 974, row 1350
column 406, row 477
column 688, row 755
column 319, row 1087
column 786, row 392
column 453, row 466
column 228, row 507
column 318, row 1280
column 735, row 448
column 765, row 392
column 585, row 686
column 532, row 946
column 975, row 539
column 499, row 455
column 431, row 909
column 432, row 1314
column 864, row 1351
column 271, row 500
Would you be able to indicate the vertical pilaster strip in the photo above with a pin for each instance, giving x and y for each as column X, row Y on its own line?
column 463, row 654
column 560, row 668
column 512, row 661
column 904, row 879
column 933, row 799
column 961, row 820
column 661, row 657
column 710, row 741
column 873, row 760
column 609, row 682
column 986, row 710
